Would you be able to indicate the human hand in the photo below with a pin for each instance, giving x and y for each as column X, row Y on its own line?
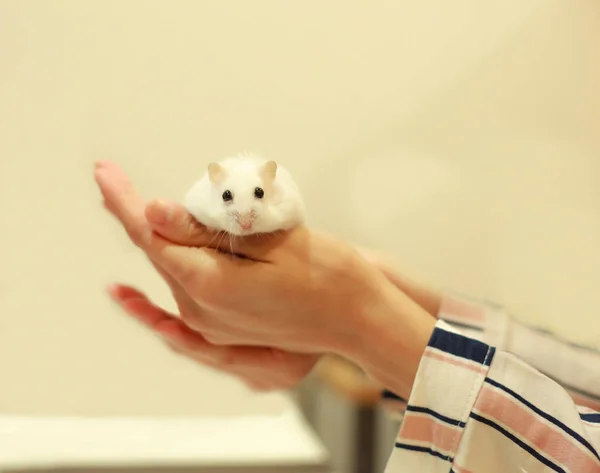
column 261, row 368
column 233, row 301
column 284, row 290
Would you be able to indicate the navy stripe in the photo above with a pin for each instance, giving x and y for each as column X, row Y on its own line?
column 462, row 325
column 437, row 415
column 428, row 450
column 591, row 417
column 461, row 346
column 546, row 416
column 385, row 394
column 519, row 442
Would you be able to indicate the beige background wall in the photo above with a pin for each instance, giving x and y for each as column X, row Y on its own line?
column 460, row 137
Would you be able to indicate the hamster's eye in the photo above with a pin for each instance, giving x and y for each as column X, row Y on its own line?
column 259, row 193
column 227, row 196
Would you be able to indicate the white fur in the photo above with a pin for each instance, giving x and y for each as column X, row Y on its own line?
column 281, row 208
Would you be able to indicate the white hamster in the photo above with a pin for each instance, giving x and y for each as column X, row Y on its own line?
column 244, row 195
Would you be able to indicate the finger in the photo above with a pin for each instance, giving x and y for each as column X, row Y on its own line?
column 173, row 222
column 182, row 299
column 257, row 380
column 184, row 303
column 166, row 324
column 256, row 385
column 137, row 304
column 192, row 355
column 200, row 272
column 194, row 345
column 173, row 328
column 108, row 207
column 121, row 293
column 233, row 358
column 122, row 200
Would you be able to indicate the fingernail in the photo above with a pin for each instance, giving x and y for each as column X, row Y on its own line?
column 167, row 211
column 163, row 212
column 163, row 334
column 112, row 290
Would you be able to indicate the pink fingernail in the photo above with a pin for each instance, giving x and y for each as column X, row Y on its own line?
column 167, row 210
column 163, row 213
column 112, row 290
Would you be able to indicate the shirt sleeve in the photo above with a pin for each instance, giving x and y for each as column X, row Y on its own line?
column 477, row 408
column 575, row 367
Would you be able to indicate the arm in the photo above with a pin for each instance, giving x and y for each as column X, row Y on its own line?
column 471, row 406
column 576, row 368
column 474, row 406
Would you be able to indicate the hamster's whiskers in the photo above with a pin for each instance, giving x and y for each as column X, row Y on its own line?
column 231, row 238
column 223, row 235
column 270, row 235
column 214, row 237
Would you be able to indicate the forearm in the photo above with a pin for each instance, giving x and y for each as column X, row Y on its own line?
column 428, row 297
column 390, row 340
column 468, row 401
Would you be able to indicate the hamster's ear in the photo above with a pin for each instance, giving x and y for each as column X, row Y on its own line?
column 215, row 172
column 269, row 171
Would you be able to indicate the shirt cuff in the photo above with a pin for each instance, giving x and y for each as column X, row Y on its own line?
column 475, row 318
column 450, row 375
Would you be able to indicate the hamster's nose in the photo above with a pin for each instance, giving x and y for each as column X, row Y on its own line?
column 245, row 220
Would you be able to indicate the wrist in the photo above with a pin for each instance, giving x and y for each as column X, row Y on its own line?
column 387, row 336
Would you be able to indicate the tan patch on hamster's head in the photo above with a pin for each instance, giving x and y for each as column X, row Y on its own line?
column 268, row 171
column 216, row 173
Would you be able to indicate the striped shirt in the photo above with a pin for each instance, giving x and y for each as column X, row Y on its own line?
column 495, row 396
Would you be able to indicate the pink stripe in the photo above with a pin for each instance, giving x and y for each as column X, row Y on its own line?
column 452, row 360
column 442, row 437
column 460, row 469
column 462, row 310
column 547, row 439
column 584, row 401
column 586, row 410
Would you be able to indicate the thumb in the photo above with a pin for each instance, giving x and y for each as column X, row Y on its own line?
column 174, row 223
